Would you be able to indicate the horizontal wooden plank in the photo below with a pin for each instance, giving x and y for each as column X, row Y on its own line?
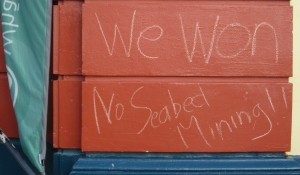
column 188, row 163
column 7, row 116
column 191, row 79
column 185, row 116
column 67, row 113
column 186, row 38
column 221, row 2
column 67, row 38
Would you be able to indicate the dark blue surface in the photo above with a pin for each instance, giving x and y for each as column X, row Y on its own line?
column 9, row 166
column 64, row 160
column 193, row 163
column 75, row 162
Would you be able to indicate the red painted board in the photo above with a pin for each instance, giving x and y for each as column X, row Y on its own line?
column 185, row 116
column 67, row 113
column 67, row 38
column 243, row 2
column 7, row 116
column 186, row 38
column 2, row 58
column 55, row 40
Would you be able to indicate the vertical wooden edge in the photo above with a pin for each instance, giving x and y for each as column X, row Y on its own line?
column 82, row 114
column 291, row 121
column 81, row 117
column 291, row 15
column 55, row 113
column 55, row 39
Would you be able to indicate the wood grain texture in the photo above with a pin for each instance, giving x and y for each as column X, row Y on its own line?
column 185, row 116
column 67, row 113
column 163, row 47
column 67, row 38
column 7, row 116
column 176, row 38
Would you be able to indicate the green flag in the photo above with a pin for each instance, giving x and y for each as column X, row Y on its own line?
column 26, row 29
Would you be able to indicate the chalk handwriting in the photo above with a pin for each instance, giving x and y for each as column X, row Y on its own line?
column 270, row 99
column 233, row 25
column 207, row 49
column 117, row 30
column 141, row 36
column 284, row 97
column 173, row 110
column 164, row 115
column 119, row 108
column 198, row 33
column 230, row 126
column 196, row 123
column 259, row 112
column 275, row 36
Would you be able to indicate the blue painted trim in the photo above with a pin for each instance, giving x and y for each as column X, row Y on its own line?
column 75, row 162
column 249, row 155
column 179, row 164
column 63, row 161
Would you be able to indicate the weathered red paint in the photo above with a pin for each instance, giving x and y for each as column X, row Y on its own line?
column 67, row 61
column 2, row 62
column 185, row 116
column 226, row 2
column 226, row 94
column 2, row 59
column 7, row 116
column 156, row 38
column 67, row 38
column 67, row 113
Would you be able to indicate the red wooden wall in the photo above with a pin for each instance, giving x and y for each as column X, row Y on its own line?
column 2, row 63
column 167, row 38
column 7, row 117
column 94, row 111
column 67, row 65
column 173, row 76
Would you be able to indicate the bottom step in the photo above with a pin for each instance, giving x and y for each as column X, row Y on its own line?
column 179, row 164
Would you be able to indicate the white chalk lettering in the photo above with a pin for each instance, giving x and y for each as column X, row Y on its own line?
column 117, row 30
column 254, row 40
column 180, row 112
column 142, row 36
column 270, row 99
column 238, row 52
column 284, row 97
column 259, row 112
column 219, row 127
column 106, row 109
column 199, row 129
column 190, row 55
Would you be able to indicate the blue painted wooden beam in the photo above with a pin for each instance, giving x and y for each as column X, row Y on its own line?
column 63, row 161
column 179, row 164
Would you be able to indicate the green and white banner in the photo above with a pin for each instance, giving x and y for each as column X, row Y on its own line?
column 26, row 29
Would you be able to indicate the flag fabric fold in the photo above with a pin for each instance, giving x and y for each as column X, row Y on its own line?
column 26, row 30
